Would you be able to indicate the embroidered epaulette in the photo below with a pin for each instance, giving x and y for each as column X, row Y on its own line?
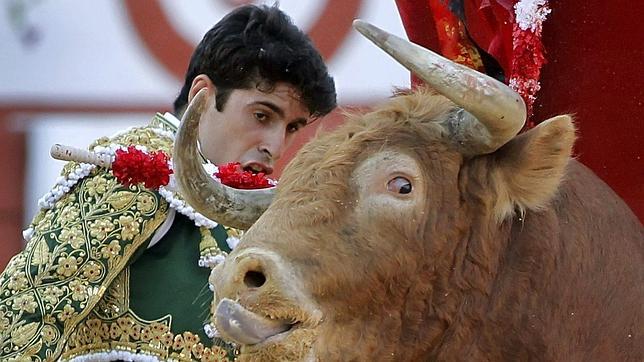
column 87, row 231
column 76, row 249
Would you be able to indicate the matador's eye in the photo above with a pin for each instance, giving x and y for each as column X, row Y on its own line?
column 399, row 185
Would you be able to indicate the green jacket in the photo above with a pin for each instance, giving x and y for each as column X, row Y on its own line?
column 110, row 271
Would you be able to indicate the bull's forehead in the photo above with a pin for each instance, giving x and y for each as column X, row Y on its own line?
column 410, row 122
column 319, row 177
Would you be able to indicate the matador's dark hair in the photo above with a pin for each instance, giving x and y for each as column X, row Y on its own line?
column 257, row 46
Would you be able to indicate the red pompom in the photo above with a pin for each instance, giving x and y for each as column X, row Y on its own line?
column 134, row 166
column 233, row 175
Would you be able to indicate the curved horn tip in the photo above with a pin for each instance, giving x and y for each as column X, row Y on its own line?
column 358, row 23
column 231, row 207
column 369, row 30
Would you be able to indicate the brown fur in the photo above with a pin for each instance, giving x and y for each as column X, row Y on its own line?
column 460, row 276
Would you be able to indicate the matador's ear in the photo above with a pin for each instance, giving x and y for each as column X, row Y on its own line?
column 200, row 82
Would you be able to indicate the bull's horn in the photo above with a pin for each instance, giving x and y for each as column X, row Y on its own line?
column 498, row 108
column 223, row 204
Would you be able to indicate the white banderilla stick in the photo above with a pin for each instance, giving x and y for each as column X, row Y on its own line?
column 68, row 153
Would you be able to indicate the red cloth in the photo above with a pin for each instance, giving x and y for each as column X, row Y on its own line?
column 488, row 22
column 419, row 25
column 593, row 72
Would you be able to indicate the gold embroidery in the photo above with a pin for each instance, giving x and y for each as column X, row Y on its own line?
column 129, row 227
column 24, row 303
column 21, row 335
column 17, row 282
column 101, row 228
column 67, row 266
column 208, row 244
column 67, row 313
column 120, row 200
column 97, row 186
column 72, row 235
column 51, row 295
column 50, row 334
column 140, row 136
column 116, row 300
column 93, row 271
column 116, row 262
column 4, row 321
column 79, row 247
column 130, row 333
column 145, row 203
column 113, row 326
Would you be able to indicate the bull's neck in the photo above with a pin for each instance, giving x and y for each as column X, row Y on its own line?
column 466, row 280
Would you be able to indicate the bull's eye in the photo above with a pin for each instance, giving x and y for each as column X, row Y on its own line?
column 399, row 185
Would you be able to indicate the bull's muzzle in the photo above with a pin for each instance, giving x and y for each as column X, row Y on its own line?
column 258, row 296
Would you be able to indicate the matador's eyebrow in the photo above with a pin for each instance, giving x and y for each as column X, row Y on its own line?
column 280, row 112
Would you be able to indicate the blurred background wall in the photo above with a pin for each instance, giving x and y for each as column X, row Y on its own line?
column 74, row 70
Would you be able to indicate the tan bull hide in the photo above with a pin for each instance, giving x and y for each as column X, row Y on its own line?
column 389, row 239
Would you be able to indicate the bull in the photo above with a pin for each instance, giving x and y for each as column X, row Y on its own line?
column 428, row 230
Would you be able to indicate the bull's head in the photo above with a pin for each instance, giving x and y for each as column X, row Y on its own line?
column 382, row 229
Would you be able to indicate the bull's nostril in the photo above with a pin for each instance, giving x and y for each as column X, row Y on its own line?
column 254, row 279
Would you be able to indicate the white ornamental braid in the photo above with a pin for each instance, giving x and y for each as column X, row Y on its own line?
column 211, row 331
column 183, row 208
column 115, row 356
column 27, row 234
column 211, row 261
column 205, row 261
column 64, row 184
column 530, row 14
column 232, row 242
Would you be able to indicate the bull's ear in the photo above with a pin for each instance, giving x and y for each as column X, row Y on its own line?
column 530, row 167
